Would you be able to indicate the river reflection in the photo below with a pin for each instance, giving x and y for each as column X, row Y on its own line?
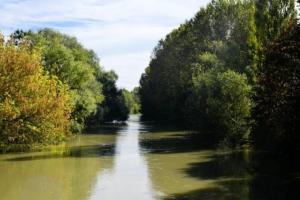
column 129, row 178
column 145, row 161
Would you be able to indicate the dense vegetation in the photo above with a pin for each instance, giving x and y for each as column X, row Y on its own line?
column 94, row 92
column 75, row 66
column 114, row 106
column 34, row 107
column 231, row 58
column 277, row 96
column 51, row 85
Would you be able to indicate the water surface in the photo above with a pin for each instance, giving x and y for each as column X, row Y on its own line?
column 145, row 161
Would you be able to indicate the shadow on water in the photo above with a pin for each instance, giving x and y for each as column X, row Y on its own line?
column 275, row 177
column 179, row 142
column 88, row 151
column 225, row 165
column 81, row 151
column 228, row 171
column 240, row 176
column 232, row 175
column 167, row 138
column 227, row 190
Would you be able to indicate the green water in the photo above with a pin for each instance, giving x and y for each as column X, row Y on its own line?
column 140, row 161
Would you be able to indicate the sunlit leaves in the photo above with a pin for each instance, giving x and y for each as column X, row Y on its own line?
column 64, row 57
column 34, row 107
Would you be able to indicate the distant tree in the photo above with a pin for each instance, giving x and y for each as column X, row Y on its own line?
column 113, row 107
column 131, row 101
column 137, row 101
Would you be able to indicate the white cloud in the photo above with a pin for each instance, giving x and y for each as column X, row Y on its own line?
column 122, row 32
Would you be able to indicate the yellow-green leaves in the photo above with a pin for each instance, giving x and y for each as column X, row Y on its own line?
column 34, row 107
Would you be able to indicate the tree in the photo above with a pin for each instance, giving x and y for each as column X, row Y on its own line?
column 265, row 24
column 137, row 102
column 131, row 101
column 277, row 97
column 34, row 106
column 94, row 92
column 63, row 56
column 113, row 107
column 188, row 68
column 214, row 38
column 220, row 104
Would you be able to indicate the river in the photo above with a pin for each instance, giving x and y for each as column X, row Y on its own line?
column 145, row 161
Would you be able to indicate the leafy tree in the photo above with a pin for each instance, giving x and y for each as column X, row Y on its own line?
column 34, row 106
column 131, row 101
column 266, row 22
column 94, row 92
column 271, row 16
column 220, row 104
column 193, row 71
column 114, row 106
column 278, row 93
column 147, row 105
column 215, row 37
column 136, row 98
column 64, row 57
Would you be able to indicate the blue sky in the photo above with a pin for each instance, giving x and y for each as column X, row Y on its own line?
column 122, row 32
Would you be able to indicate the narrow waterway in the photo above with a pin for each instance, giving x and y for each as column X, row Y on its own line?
column 145, row 161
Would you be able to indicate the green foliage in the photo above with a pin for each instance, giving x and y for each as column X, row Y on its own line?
column 136, row 108
column 214, row 38
column 202, row 73
column 265, row 23
column 220, row 103
column 131, row 101
column 277, row 110
column 114, row 106
column 75, row 66
column 34, row 106
column 93, row 91
column 271, row 16
column 274, row 40
column 179, row 72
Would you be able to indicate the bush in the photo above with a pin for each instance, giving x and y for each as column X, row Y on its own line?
column 220, row 104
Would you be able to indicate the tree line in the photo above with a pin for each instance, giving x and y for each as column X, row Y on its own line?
column 51, row 86
column 232, row 72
